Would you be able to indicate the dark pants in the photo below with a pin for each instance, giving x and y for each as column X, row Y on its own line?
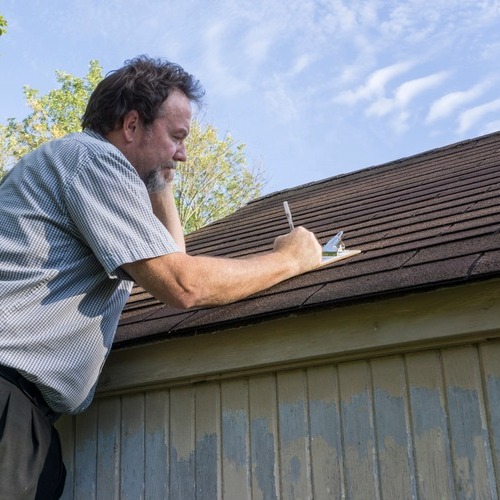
column 31, row 465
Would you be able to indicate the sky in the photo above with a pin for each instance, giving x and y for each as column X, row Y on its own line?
column 313, row 88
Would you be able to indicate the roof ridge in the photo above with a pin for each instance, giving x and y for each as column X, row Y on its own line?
column 433, row 151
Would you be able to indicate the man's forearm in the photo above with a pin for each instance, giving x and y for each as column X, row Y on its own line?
column 164, row 207
column 184, row 281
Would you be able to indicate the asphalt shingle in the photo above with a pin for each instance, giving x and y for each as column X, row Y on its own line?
column 422, row 222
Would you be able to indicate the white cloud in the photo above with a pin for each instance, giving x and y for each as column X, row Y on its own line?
column 301, row 63
column 414, row 22
column 257, row 47
column 399, row 122
column 470, row 117
column 405, row 93
column 446, row 105
column 408, row 90
column 445, row 22
column 375, row 85
column 259, row 38
column 217, row 67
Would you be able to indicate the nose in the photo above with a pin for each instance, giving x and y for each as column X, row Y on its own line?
column 180, row 153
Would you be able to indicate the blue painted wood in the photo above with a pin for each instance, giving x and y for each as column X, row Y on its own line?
column 471, row 452
column 295, row 459
column 410, row 426
column 207, row 451
column 156, row 442
column 108, row 448
column 86, row 455
column 182, row 441
column 325, row 433
column 489, row 356
column 392, row 428
column 361, row 473
column 264, row 437
column 430, row 432
column 132, row 447
column 236, row 473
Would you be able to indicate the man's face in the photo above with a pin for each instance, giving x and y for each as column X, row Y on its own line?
column 161, row 145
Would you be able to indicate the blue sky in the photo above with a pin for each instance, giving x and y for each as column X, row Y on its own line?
column 313, row 88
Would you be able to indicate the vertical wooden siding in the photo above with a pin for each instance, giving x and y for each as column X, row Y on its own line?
column 420, row 425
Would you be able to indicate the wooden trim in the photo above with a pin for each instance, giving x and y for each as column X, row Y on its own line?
column 446, row 317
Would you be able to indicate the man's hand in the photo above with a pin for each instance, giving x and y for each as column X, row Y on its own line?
column 164, row 207
column 300, row 246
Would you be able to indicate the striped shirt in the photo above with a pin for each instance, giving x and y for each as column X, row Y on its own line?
column 71, row 213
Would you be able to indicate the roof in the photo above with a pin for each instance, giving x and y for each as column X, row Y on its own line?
column 422, row 222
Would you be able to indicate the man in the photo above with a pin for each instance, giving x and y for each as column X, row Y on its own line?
column 83, row 217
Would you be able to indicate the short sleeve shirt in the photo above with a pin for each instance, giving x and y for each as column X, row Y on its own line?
column 71, row 214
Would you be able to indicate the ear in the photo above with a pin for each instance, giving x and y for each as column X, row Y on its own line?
column 131, row 125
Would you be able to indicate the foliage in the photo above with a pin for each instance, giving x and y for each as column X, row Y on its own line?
column 3, row 26
column 215, row 181
column 52, row 115
column 3, row 155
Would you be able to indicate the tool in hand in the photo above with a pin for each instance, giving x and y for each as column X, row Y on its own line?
column 288, row 215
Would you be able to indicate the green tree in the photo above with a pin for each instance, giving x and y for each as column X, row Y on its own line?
column 3, row 26
column 3, row 154
column 215, row 180
column 52, row 115
column 213, row 183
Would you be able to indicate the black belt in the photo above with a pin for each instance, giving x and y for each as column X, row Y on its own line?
column 30, row 390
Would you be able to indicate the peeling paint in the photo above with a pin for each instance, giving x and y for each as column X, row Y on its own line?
column 359, row 448
column 234, row 432
column 263, row 458
column 431, row 431
column 465, row 420
column 470, row 444
column 390, row 417
column 432, row 415
column 132, row 465
column 395, row 449
column 357, row 426
column 182, row 475
column 206, row 466
column 292, row 423
column 493, row 388
column 156, row 464
column 325, row 423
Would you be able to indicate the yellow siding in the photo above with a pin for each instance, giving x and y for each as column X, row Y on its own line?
column 401, row 426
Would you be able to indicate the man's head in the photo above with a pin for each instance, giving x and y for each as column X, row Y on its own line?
column 144, row 109
column 142, row 85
